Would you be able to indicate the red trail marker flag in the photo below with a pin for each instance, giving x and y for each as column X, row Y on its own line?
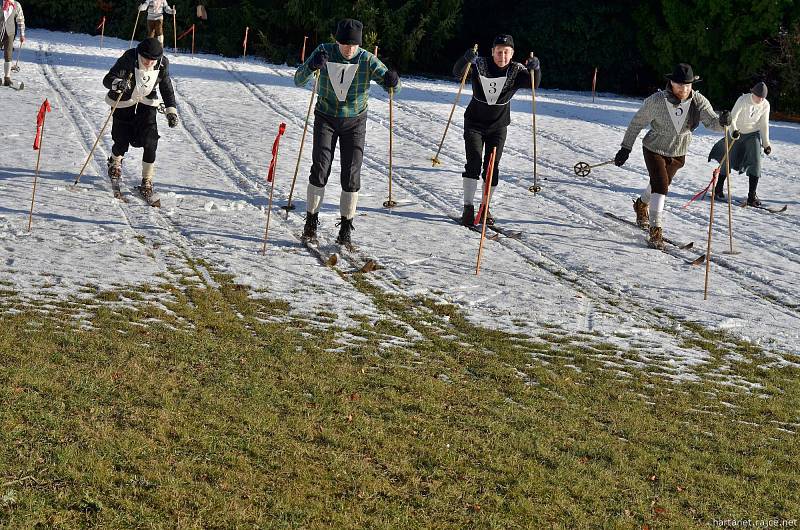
column 275, row 144
column 40, row 124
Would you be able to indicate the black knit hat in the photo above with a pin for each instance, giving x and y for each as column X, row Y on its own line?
column 150, row 48
column 348, row 31
column 503, row 40
column 760, row 89
column 683, row 74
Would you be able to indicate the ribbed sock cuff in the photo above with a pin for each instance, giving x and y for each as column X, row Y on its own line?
column 348, row 204
column 314, row 197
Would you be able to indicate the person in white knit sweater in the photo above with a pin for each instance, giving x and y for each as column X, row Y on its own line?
column 155, row 17
column 750, row 129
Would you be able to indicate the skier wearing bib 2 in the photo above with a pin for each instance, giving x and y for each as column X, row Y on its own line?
column 155, row 17
column 136, row 75
column 12, row 16
column 672, row 114
column 750, row 124
column 345, row 71
column 495, row 80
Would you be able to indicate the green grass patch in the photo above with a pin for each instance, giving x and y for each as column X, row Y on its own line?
column 203, row 415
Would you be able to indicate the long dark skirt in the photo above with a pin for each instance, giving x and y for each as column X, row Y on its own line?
column 745, row 154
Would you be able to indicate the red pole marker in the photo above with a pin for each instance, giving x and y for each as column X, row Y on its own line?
column 271, row 179
column 190, row 30
column 244, row 44
column 303, row 53
column 102, row 28
column 594, row 83
column 37, row 146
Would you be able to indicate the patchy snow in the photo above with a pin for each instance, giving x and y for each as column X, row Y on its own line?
column 579, row 272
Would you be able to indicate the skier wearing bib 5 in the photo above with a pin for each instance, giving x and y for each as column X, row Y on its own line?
column 155, row 17
column 495, row 80
column 345, row 71
column 672, row 114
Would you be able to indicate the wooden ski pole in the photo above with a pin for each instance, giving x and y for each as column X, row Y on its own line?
column 488, row 198
column 36, row 174
column 174, row 30
column 390, row 203
column 535, row 188
column 102, row 31
column 289, row 206
column 102, row 130
column 303, row 53
column 435, row 159
column 246, row 34
column 135, row 25
column 710, row 225
column 730, row 199
column 192, row 40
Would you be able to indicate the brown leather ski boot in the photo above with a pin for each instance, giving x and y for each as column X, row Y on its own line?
column 656, row 238
column 642, row 213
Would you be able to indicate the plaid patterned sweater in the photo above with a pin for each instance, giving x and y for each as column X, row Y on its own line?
column 662, row 138
column 370, row 68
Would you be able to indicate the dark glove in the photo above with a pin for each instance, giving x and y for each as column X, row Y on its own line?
column 767, row 150
column 622, row 156
column 532, row 64
column 736, row 135
column 391, row 78
column 172, row 120
column 120, row 85
column 725, row 118
column 318, row 60
column 471, row 55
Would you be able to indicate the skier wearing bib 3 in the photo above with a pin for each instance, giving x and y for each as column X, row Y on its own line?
column 135, row 76
column 495, row 80
column 345, row 71
column 12, row 16
column 750, row 124
column 155, row 17
column 672, row 114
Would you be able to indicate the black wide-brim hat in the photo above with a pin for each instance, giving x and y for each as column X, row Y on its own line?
column 683, row 74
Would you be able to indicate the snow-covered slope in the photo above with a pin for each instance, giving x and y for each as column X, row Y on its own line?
column 573, row 267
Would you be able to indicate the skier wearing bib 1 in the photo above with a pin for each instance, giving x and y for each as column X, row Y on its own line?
column 345, row 71
column 136, row 75
column 495, row 80
column 672, row 114
column 155, row 17
column 12, row 16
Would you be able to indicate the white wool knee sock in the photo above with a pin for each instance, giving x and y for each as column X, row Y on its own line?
column 148, row 172
column 348, row 203
column 161, row 39
column 657, row 209
column 470, row 185
column 7, row 69
column 646, row 194
column 314, row 197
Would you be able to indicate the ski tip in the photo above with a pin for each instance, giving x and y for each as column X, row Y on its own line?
column 333, row 259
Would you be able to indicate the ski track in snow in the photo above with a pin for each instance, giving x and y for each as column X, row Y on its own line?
column 573, row 268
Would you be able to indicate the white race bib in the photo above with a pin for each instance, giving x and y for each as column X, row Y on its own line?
column 341, row 76
column 145, row 83
column 492, row 86
column 678, row 113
